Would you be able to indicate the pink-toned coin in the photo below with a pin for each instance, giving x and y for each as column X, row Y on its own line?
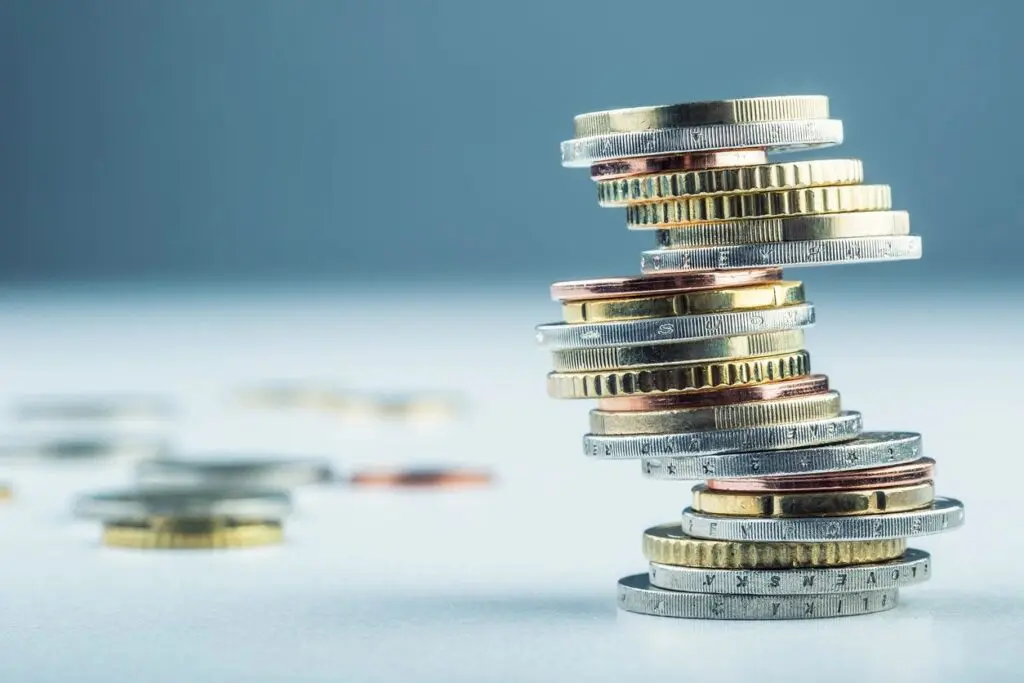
column 791, row 388
column 623, row 168
column 904, row 474
column 654, row 285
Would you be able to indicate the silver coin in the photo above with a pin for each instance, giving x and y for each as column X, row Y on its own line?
column 870, row 449
column 789, row 254
column 677, row 328
column 912, row 568
column 83, row 447
column 143, row 504
column 847, row 425
column 775, row 136
column 943, row 514
column 100, row 407
column 252, row 473
column 636, row 594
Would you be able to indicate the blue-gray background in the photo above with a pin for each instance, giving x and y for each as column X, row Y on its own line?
column 254, row 139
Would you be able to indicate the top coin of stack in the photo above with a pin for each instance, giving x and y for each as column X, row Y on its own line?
column 700, row 372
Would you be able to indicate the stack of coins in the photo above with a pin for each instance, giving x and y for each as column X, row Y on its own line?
column 187, row 518
column 700, row 373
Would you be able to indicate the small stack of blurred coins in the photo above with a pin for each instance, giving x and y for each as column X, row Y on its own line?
column 700, row 373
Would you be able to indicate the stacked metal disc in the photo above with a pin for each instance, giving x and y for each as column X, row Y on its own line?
column 700, row 371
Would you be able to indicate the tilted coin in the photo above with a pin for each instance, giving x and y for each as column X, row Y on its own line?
column 144, row 504
column 813, row 503
column 790, row 229
column 847, row 425
column 636, row 594
column 734, row 416
column 761, row 178
column 775, row 136
column 944, row 514
column 768, row 204
column 789, row 254
column 667, row 544
column 658, row 285
column 745, row 346
column 678, row 328
column 621, row 168
column 726, row 299
column 745, row 110
column 913, row 567
column 914, row 472
column 225, row 471
column 790, row 388
column 685, row 377
column 870, row 449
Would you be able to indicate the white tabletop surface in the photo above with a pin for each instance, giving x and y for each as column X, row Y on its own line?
column 510, row 583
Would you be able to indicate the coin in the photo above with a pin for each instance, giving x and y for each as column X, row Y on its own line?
column 721, row 300
column 623, row 287
column 421, row 477
column 95, row 407
column 790, row 388
column 677, row 328
column 733, row 416
column 636, row 594
column 844, row 427
column 667, row 544
column 739, row 347
column 145, row 504
column 767, row 204
column 912, row 568
column 242, row 472
column 764, row 177
column 805, row 504
column 620, row 168
column 190, row 534
column 790, row 254
column 746, row 110
column 943, row 515
column 914, row 472
column 776, row 136
column 682, row 377
column 869, row 449
column 789, row 229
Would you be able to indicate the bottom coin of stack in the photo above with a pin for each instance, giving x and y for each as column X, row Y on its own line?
column 187, row 518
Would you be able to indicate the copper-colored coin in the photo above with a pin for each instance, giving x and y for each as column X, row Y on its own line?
column 905, row 474
column 621, row 168
column 654, row 285
column 791, row 388
column 439, row 477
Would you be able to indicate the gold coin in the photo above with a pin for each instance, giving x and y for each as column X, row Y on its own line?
column 734, row 416
column 675, row 378
column 768, row 295
column 699, row 350
column 792, row 229
column 783, row 176
column 192, row 534
column 814, row 503
column 771, row 204
column 667, row 544
column 746, row 110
